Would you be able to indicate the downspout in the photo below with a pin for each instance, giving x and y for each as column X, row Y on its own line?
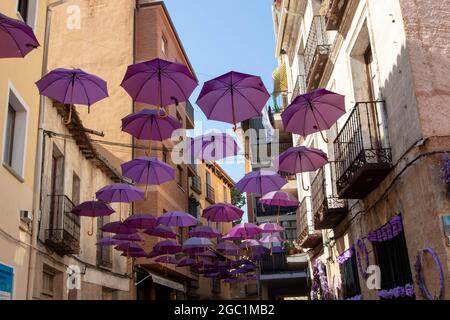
column 39, row 158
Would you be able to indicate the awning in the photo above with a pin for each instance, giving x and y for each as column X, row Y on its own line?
column 167, row 283
column 280, row 83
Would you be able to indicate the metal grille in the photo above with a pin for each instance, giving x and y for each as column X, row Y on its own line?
column 196, row 183
column 359, row 142
column 317, row 43
column 300, row 87
column 304, row 228
column 210, row 193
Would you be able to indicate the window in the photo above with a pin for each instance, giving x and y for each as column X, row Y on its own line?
column 350, row 278
column 75, row 189
column 22, row 8
column 180, row 176
column 164, row 45
column 164, row 154
column 48, row 279
column 27, row 9
column 225, row 194
column 104, row 253
column 15, row 133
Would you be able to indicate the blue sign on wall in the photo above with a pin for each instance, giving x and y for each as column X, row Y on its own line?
column 6, row 282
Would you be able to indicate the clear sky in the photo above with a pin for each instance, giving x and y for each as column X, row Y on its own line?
column 220, row 36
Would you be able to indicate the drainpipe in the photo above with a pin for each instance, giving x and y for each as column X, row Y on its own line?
column 39, row 158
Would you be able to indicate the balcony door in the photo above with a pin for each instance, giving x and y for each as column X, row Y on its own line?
column 56, row 189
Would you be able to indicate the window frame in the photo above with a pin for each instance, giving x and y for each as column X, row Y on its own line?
column 32, row 13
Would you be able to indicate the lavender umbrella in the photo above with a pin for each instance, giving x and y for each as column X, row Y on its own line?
column 148, row 125
column 228, row 248
column 233, row 97
column 271, row 239
column 135, row 254
column 243, row 231
column 204, row 232
column 248, row 243
column 120, row 192
column 16, row 37
column 196, row 242
column 166, row 259
column 167, row 247
column 186, row 262
column 313, row 112
column 141, row 221
column 147, row 170
column 212, row 146
column 279, row 199
column 128, row 237
column 154, row 254
column 73, row 86
column 261, row 182
column 128, row 246
column 158, row 82
column 109, row 241
column 271, row 228
column 117, row 227
column 92, row 209
column 301, row 159
column 162, row 232
column 222, row 212
column 177, row 219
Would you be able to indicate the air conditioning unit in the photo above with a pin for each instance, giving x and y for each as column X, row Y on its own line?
column 26, row 216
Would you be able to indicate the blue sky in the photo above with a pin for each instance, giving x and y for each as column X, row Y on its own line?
column 220, row 36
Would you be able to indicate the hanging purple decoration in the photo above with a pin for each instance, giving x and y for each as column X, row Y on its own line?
column 398, row 292
column 390, row 230
column 420, row 277
column 361, row 249
column 347, row 254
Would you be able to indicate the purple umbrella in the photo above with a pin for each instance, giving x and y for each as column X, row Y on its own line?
column 202, row 263
column 141, row 221
column 128, row 237
column 212, row 146
column 302, row 159
column 271, row 239
column 158, row 82
column 279, row 199
column 73, row 86
column 128, row 246
column 16, row 37
column 196, row 242
column 166, row 259
column 313, row 112
column 233, row 97
column 261, row 182
column 147, row 170
column 147, row 125
column 271, row 228
column 228, row 248
column 204, row 232
column 154, row 254
column 248, row 243
column 222, row 212
column 92, row 209
column 177, row 219
column 186, row 262
column 243, row 231
column 167, row 247
column 162, row 232
column 206, row 253
column 120, row 192
column 117, row 227
column 135, row 254
column 109, row 241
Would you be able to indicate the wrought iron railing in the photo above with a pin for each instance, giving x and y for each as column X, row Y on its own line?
column 274, row 263
column 316, row 44
column 323, row 199
column 210, row 193
column 266, row 211
column 190, row 110
column 304, row 228
column 196, row 183
column 63, row 234
column 361, row 141
column 336, row 9
column 299, row 87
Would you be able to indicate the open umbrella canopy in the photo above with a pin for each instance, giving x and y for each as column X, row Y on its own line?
column 166, row 259
column 197, row 242
column 248, row 243
column 204, row 232
column 212, row 147
column 313, row 112
column 185, row 262
column 16, row 37
column 233, row 97
column 243, row 231
column 204, row 263
column 279, row 198
column 117, row 227
column 109, row 241
column 120, row 192
column 147, row 170
column 162, row 232
column 153, row 254
column 135, row 254
column 129, row 246
column 73, row 86
column 302, row 159
column 128, row 237
column 206, row 253
column 271, row 239
column 222, row 212
column 141, row 221
column 228, row 248
column 167, row 247
column 92, row 209
column 271, row 228
column 261, row 182
column 149, row 125
column 177, row 219
column 159, row 82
